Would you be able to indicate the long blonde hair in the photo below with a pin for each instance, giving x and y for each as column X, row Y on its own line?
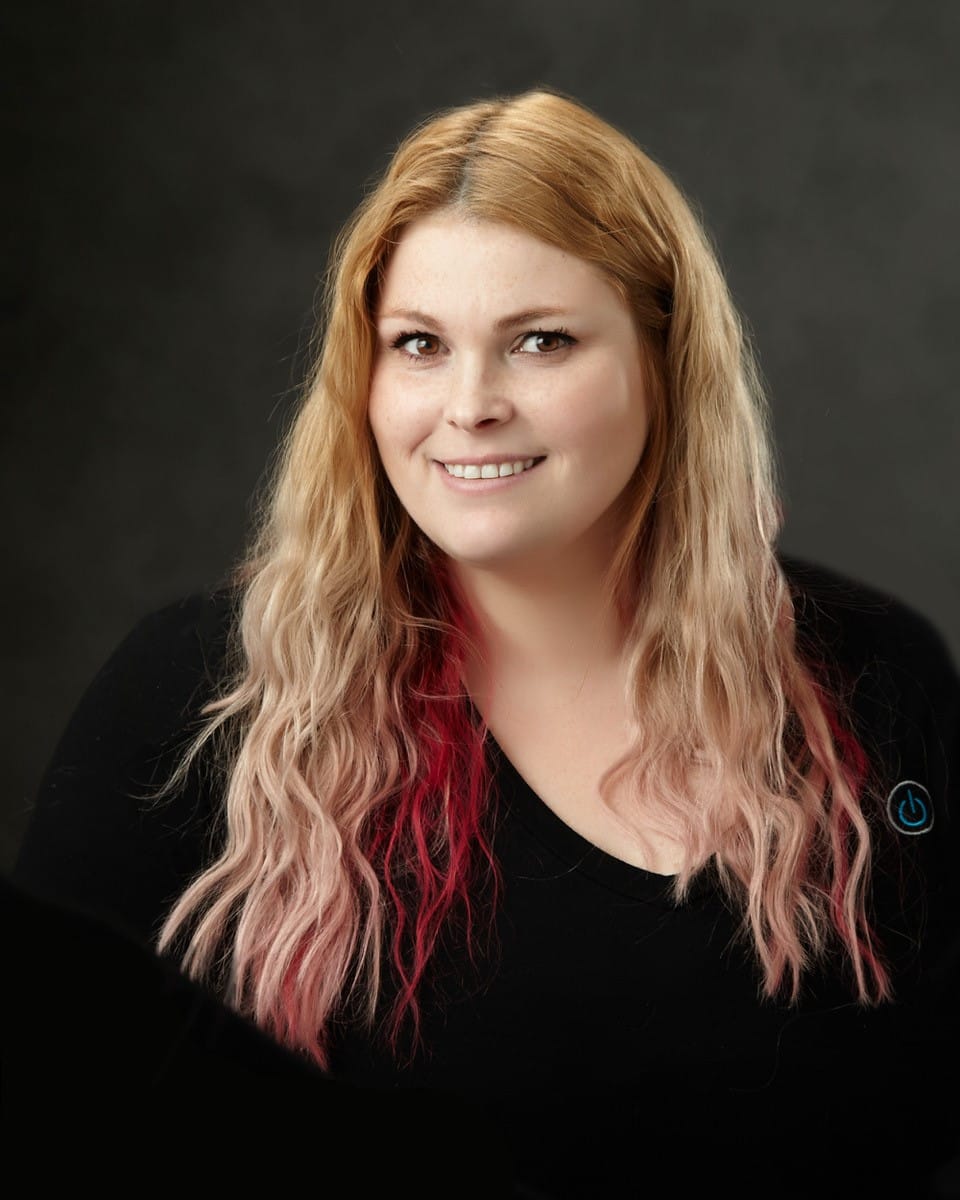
column 358, row 799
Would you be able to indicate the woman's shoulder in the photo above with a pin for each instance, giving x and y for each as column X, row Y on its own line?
column 891, row 665
column 168, row 664
column 861, row 621
column 192, row 632
column 95, row 839
column 894, row 672
column 884, row 654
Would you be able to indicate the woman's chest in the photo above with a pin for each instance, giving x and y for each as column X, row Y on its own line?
column 582, row 987
column 567, row 759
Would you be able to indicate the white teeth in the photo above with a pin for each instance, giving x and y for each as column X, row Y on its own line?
column 488, row 470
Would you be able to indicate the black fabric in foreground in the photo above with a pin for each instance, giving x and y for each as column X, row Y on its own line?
column 121, row 1075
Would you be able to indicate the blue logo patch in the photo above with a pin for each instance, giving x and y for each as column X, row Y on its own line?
column 909, row 808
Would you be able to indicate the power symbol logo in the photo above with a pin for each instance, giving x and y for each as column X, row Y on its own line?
column 909, row 808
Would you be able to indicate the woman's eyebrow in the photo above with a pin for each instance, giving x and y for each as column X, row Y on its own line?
column 527, row 316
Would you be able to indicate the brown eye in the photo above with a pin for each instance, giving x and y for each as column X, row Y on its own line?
column 543, row 341
column 418, row 345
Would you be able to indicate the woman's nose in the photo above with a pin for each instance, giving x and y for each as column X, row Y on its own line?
column 478, row 397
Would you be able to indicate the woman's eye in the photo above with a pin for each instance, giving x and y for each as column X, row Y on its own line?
column 417, row 345
column 543, row 341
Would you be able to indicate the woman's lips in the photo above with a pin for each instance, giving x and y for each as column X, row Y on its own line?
column 492, row 472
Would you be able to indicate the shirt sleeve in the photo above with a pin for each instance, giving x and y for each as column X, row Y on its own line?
column 896, row 672
column 98, row 841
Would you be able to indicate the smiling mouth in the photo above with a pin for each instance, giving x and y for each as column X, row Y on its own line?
column 491, row 470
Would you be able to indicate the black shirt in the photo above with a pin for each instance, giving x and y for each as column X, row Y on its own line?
column 615, row 1038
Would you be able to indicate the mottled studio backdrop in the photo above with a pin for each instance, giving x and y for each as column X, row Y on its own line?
column 174, row 175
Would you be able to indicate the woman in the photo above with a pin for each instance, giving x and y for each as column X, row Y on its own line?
column 521, row 766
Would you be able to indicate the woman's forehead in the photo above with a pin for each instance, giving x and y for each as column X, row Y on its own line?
column 440, row 259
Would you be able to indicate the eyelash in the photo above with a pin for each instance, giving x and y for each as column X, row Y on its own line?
column 398, row 342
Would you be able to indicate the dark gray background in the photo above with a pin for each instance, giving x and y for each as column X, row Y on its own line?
column 176, row 172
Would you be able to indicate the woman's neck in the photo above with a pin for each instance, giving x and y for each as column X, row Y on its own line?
column 550, row 633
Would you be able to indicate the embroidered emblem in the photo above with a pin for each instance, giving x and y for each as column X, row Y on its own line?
column 909, row 808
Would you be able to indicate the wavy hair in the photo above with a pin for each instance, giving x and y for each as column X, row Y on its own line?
column 357, row 796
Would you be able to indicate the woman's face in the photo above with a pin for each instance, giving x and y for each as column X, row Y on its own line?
column 507, row 397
